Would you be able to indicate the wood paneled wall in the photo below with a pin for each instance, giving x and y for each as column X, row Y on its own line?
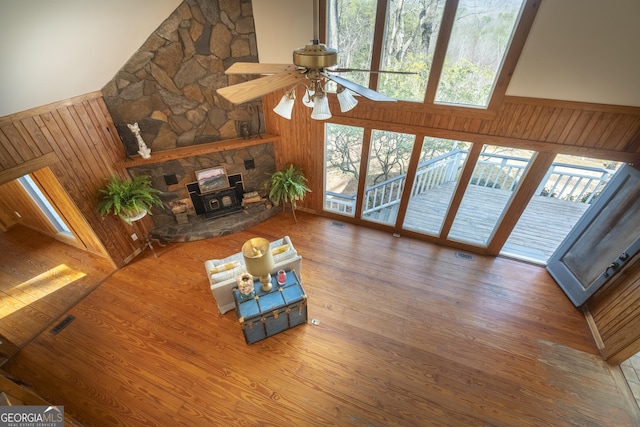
column 583, row 129
column 77, row 140
column 614, row 315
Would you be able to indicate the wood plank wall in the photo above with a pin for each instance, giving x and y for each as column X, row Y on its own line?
column 583, row 129
column 79, row 142
column 614, row 315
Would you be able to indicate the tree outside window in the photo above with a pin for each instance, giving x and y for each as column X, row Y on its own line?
column 475, row 46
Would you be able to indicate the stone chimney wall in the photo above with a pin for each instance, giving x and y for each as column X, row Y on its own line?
column 169, row 88
column 169, row 85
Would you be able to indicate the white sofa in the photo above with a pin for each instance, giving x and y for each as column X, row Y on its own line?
column 223, row 282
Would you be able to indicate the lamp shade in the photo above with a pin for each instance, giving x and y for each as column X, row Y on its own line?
column 285, row 106
column 257, row 256
column 346, row 99
column 321, row 108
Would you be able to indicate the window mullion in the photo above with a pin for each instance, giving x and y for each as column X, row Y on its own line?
column 440, row 51
column 364, row 166
column 512, row 55
column 323, row 24
column 378, row 39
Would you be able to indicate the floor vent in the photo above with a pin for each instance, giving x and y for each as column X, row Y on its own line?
column 60, row 326
column 337, row 224
column 464, row 256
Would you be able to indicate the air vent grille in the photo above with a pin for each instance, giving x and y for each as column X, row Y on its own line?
column 60, row 326
column 464, row 256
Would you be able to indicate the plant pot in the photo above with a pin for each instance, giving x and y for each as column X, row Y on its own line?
column 134, row 216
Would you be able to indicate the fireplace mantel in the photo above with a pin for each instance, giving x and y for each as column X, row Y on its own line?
column 197, row 150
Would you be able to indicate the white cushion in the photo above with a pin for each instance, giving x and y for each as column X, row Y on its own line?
column 227, row 274
column 289, row 253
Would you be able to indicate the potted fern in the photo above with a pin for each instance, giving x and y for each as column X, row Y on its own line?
column 130, row 200
column 288, row 185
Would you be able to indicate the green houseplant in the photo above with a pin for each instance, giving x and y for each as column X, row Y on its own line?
column 288, row 185
column 128, row 199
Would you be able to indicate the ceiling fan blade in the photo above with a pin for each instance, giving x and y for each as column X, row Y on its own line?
column 346, row 70
column 257, row 68
column 246, row 91
column 364, row 91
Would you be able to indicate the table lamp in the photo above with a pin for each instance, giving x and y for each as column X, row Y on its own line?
column 259, row 260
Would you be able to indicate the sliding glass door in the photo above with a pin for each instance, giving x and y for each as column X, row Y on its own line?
column 343, row 151
column 570, row 186
column 497, row 199
column 389, row 155
column 436, row 179
column 496, row 177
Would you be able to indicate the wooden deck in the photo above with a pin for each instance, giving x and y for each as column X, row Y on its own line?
column 543, row 225
column 407, row 335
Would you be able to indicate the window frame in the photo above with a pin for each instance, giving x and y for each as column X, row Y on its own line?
column 520, row 33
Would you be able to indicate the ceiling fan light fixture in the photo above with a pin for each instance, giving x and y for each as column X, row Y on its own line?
column 346, row 99
column 315, row 55
column 311, row 68
column 307, row 99
column 285, row 106
column 321, row 108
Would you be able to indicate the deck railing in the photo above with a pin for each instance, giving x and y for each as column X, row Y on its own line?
column 581, row 184
column 573, row 183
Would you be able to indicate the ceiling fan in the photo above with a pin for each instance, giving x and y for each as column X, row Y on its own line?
column 312, row 68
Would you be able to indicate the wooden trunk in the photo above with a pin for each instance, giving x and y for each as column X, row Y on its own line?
column 272, row 312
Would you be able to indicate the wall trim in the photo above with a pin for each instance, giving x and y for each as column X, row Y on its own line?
column 28, row 167
column 43, row 109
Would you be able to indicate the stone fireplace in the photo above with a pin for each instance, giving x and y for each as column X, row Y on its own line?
column 247, row 166
column 169, row 88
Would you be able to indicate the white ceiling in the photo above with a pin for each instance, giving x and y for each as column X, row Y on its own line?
column 578, row 50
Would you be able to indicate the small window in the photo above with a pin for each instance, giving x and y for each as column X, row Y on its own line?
column 43, row 203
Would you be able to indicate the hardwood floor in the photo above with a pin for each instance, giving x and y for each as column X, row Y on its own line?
column 408, row 335
column 40, row 279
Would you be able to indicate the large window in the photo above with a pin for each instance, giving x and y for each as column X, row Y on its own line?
column 455, row 48
column 343, row 151
column 456, row 191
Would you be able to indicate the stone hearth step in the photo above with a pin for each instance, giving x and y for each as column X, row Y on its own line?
column 199, row 228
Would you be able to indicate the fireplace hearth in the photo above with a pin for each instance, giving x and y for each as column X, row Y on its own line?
column 198, row 227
